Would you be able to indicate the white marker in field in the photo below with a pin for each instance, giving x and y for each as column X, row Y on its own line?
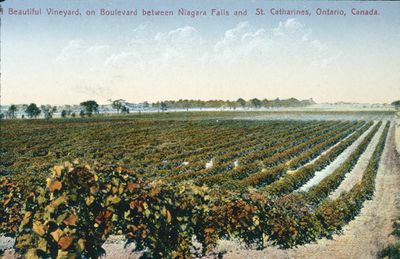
column 210, row 163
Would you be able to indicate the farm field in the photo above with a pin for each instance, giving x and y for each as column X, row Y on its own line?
column 182, row 184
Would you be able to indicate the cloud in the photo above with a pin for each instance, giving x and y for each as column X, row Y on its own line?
column 141, row 27
column 119, row 58
column 176, row 46
column 97, row 49
column 79, row 50
column 182, row 33
column 290, row 41
column 72, row 48
column 290, row 46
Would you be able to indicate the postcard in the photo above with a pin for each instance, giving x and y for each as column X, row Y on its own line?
column 199, row 129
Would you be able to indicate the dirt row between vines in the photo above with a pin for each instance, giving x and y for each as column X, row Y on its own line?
column 320, row 175
column 355, row 175
column 367, row 234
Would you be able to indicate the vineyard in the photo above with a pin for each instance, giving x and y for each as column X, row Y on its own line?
column 176, row 187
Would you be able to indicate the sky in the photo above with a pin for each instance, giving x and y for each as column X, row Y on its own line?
column 66, row 60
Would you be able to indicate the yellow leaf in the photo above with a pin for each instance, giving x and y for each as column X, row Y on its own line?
column 7, row 201
column 71, row 220
column 256, row 220
column 114, row 189
column 38, row 228
column 168, row 216
column 26, row 218
column 56, row 234
column 57, row 170
column 54, row 185
column 42, row 245
column 82, row 243
column 63, row 254
column 112, row 200
column 89, row 200
column 31, row 253
column 57, row 202
column 164, row 212
column 93, row 190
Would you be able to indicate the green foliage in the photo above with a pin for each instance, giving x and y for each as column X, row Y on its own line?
column 75, row 213
column 90, row 107
column 255, row 102
column 125, row 110
column 319, row 192
column 10, row 206
column 241, row 102
column 396, row 104
column 392, row 251
column 82, row 205
column 293, row 223
column 63, row 113
column 12, row 110
column 48, row 111
column 163, row 106
column 78, row 207
column 292, row 181
column 32, row 110
column 118, row 104
column 334, row 214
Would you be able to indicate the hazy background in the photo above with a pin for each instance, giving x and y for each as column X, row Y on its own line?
column 56, row 60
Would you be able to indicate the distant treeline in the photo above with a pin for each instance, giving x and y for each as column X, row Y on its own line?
column 90, row 107
column 252, row 103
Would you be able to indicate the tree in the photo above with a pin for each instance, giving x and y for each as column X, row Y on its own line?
column 163, row 106
column 265, row 103
column 63, row 113
column 125, row 109
column 232, row 105
column 255, row 102
column 118, row 104
column 73, row 114
column 11, row 111
column 396, row 104
column 241, row 102
column 82, row 113
column 68, row 109
column 32, row 110
column 90, row 107
column 48, row 111
column 186, row 104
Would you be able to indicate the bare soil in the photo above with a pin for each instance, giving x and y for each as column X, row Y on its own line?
column 367, row 234
column 355, row 175
column 320, row 175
